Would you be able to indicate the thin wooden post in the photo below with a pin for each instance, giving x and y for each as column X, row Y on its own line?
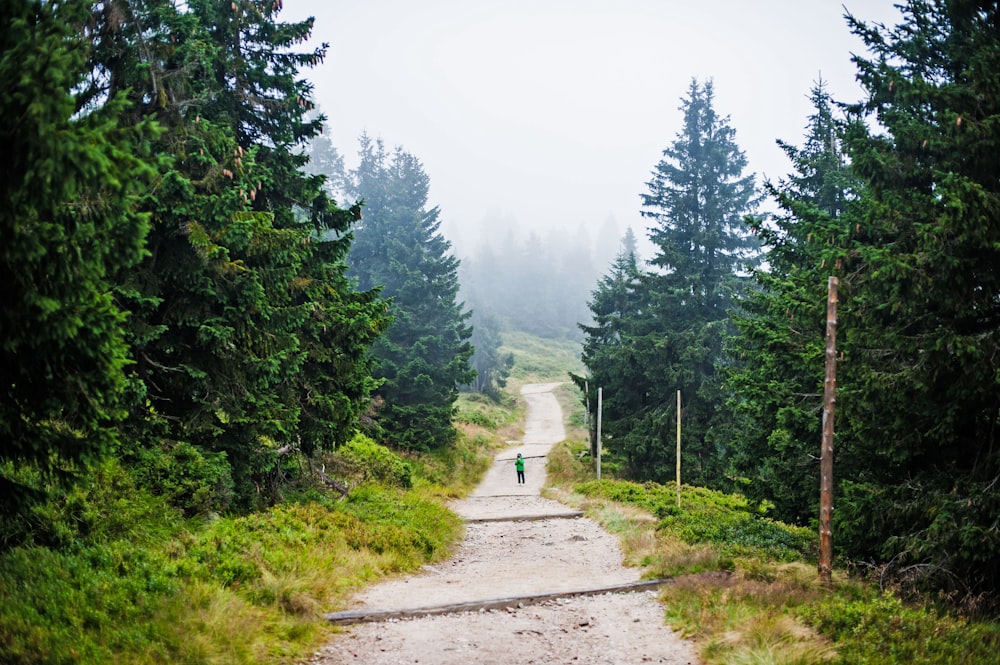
column 678, row 448
column 591, row 424
column 826, row 449
column 600, row 407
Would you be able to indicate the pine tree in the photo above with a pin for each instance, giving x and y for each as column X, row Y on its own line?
column 697, row 200
column 325, row 160
column 71, row 180
column 921, row 311
column 618, row 307
column 424, row 356
column 776, row 367
column 245, row 281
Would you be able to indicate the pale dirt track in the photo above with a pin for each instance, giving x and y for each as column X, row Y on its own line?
column 506, row 559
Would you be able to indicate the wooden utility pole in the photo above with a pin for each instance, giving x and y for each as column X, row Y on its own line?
column 678, row 448
column 826, row 449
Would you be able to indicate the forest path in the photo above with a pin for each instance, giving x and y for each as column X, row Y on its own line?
column 531, row 555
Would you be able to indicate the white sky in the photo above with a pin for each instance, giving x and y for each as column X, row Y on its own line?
column 553, row 113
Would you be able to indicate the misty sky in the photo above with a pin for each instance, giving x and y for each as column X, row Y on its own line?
column 554, row 113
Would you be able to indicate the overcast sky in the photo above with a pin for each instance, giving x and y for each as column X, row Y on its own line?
column 553, row 113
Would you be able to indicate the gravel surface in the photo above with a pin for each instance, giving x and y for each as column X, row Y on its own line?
column 505, row 559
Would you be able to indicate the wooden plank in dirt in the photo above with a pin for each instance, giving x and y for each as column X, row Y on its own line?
column 370, row 616
column 571, row 514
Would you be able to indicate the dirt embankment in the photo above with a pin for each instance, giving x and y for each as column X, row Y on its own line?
column 535, row 560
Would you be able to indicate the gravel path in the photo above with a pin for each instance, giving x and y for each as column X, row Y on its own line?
column 504, row 559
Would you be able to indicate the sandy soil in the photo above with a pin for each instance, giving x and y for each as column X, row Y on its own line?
column 504, row 559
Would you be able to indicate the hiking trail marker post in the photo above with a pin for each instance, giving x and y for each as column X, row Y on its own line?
column 600, row 407
column 678, row 448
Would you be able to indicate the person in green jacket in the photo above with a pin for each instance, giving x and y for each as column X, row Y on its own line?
column 519, row 465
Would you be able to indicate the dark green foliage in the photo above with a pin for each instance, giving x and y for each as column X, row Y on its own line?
column 104, row 506
column 920, row 394
column 911, row 230
column 697, row 201
column 189, row 478
column 775, row 375
column 661, row 331
column 424, row 356
column 335, row 384
column 248, row 338
column 69, row 183
column 609, row 352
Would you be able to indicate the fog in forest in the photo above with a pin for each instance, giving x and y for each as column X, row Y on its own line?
column 539, row 123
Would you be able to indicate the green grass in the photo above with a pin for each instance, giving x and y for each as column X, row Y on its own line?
column 479, row 410
column 143, row 586
column 746, row 587
column 538, row 360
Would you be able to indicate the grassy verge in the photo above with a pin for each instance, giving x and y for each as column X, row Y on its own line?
column 125, row 580
column 746, row 587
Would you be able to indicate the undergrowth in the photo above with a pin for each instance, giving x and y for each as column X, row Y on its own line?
column 746, row 588
column 117, row 576
column 112, row 573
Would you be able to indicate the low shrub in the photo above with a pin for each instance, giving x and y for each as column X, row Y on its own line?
column 195, row 481
column 374, row 462
column 726, row 521
column 879, row 629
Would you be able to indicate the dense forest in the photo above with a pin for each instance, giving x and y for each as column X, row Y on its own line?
column 199, row 294
column 178, row 288
column 897, row 196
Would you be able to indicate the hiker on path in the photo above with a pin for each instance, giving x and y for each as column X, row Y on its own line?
column 519, row 465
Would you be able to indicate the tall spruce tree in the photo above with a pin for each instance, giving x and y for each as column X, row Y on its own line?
column 698, row 197
column 235, row 305
column 618, row 307
column 776, row 368
column 922, row 316
column 71, row 180
column 424, row 356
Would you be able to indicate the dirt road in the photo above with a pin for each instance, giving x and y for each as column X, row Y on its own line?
column 522, row 547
